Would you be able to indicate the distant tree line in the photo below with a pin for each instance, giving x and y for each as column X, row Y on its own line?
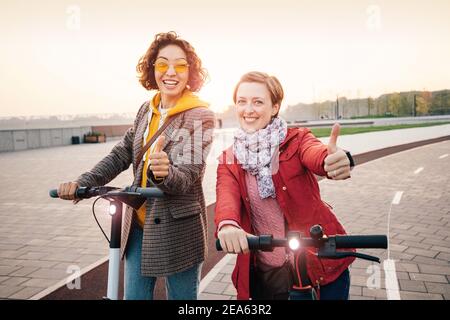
column 419, row 103
column 397, row 104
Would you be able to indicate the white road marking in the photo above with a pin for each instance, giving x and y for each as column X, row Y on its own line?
column 418, row 170
column 397, row 197
column 396, row 201
column 392, row 289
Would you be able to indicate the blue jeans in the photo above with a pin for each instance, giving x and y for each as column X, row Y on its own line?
column 337, row 290
column 179, row 286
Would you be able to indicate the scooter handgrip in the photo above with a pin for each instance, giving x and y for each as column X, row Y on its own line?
column 372, row 241
column 53, row 193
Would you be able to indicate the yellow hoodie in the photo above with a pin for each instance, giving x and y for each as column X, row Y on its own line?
column 187, row 101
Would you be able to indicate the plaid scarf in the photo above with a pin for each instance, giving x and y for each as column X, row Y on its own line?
column 255, row 152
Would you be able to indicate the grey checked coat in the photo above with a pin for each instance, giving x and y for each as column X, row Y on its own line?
column 175, row 227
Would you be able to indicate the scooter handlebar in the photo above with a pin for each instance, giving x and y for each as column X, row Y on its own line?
column 85, row 192
column 268, row 243
column 363, row 242
column 262, row 242
column 146, row 192
column 53, row 193
column 81, row 192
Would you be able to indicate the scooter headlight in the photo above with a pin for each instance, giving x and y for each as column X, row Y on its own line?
column 293, row 238
column 112, row 209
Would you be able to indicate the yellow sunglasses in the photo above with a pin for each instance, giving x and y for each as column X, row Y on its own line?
column 162, row 66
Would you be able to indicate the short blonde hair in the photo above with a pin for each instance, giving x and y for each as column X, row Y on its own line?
column 271, row 82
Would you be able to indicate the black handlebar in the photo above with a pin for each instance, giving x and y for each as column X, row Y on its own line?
column 363, row 242
column 145, row 192
column 54, row 193
column 86, row 192
column 268, row 243
column 89, row 192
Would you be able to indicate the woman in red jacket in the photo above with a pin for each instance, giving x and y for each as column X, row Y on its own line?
column 266, row 185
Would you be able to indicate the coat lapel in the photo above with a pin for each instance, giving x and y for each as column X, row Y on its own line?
column 169, row 134
column 171, row 131
column 138, row 144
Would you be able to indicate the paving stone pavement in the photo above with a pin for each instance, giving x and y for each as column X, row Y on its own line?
column 43, row 240
column 418, row 226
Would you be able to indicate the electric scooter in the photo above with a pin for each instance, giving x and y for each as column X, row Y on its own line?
column 132, row 196
column 303, row 289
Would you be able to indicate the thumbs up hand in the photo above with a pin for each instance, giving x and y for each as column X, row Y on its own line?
column 158, row 160
column 337, row 164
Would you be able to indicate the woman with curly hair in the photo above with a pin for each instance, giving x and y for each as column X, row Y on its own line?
column 165, row 237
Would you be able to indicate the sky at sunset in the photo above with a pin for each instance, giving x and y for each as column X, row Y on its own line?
column 78, row 57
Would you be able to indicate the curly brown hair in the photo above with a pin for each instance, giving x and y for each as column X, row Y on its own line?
column 146, row 70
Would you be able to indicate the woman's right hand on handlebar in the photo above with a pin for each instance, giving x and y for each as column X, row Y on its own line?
column 67, row 191
column 233, row 239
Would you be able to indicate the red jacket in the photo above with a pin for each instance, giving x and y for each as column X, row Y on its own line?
column 301, row 156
